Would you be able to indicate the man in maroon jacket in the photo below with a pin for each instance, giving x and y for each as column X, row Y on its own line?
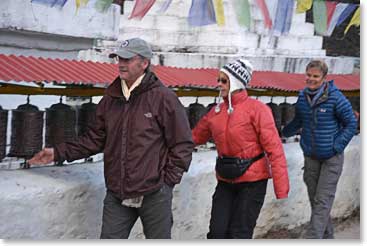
column 145, row 136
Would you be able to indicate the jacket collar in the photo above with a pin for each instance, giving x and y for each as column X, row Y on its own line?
column 238, row 97
column 329, row 85
column 149, row 81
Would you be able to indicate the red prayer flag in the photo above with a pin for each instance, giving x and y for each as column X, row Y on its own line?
column 141, row 8
column 264, row 9
column 330, row 8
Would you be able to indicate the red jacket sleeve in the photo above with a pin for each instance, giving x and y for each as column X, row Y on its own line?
column 271, row 143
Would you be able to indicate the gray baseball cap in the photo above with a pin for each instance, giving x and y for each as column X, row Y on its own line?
column 132, row 47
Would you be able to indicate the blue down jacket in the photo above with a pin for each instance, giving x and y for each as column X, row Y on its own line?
column 327, row 126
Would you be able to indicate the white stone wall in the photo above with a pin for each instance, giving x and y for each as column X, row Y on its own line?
column 85, row 22
column 66, row 202
column 176, row 43
column 32, row 29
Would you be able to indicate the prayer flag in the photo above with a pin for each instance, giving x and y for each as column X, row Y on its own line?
column 355, row 21
column 319, row 16
column 165, row 6
column 219, row 12
column 283, row 17
column 103, row 5
column 265, row 12
column 334, row 19
column 330, row 8
column 79, row 3
column 201, row 13
column 141, row 8
column 51, row 3
column 242, row 10
column 272, row 9
column 303, row 6
column 346, row 13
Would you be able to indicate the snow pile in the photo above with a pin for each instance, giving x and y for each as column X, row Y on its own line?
column 66, row 202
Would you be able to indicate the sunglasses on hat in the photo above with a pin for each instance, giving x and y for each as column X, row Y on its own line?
column 223, row 81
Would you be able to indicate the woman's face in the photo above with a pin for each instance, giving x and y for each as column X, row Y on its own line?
column 223, row 84
column 314, row 78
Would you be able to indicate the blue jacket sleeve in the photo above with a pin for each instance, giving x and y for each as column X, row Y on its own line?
column 347, row 121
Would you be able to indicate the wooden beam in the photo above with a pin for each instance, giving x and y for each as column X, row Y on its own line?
column 68, row 91
column 89, row 91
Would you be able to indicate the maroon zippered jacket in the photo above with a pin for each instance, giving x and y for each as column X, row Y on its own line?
column 146, row 141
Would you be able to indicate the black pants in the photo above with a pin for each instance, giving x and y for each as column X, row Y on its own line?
column 155, row 214
column 235, row 209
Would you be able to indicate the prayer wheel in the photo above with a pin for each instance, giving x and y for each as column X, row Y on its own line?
column 3, row 131
column 196, row 111
column 355, row 101
column 211, row 105
column 86, row 116
column 277, row 115
column 26, row 131
column 287, row 111
column 60, row 124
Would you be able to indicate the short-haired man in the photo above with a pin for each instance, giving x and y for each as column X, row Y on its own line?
column 143, row 130
column 328, row 124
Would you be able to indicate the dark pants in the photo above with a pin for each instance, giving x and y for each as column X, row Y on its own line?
column 155, row 214
column 321, row 178
column 235, row 209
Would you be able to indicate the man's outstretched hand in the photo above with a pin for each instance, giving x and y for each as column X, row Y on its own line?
column 43, row 157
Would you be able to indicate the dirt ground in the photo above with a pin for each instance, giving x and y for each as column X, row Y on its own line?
column 348, row 228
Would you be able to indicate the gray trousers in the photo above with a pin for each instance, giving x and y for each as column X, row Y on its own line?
column 155, row 214
column 321, row 178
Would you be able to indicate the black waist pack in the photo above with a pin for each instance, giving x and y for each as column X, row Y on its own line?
column 233, row 167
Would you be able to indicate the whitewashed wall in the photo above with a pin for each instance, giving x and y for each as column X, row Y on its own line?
column 66, row 202
column 85, row 22
column 176, row 43
column 32, row 29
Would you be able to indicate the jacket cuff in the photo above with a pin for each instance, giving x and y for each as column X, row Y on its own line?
column 168, row 182
column 57, row 157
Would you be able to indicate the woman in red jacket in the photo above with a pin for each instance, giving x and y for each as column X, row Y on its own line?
column 249, row 153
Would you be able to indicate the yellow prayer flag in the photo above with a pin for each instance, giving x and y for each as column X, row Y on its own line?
column 355, row 21
column 219, row 12
column 303, row 6
column 79, row 3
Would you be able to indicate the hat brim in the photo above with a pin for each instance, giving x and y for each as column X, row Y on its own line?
column 123, row 54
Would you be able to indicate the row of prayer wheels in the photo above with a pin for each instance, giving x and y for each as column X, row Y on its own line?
column 63, row 123
column 282, row 113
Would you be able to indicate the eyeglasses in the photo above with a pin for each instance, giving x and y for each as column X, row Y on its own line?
column 223, row 81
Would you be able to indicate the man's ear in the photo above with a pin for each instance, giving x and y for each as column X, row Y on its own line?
column 146, row 63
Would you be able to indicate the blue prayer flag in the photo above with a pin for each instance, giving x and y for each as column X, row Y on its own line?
column 202, row 13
